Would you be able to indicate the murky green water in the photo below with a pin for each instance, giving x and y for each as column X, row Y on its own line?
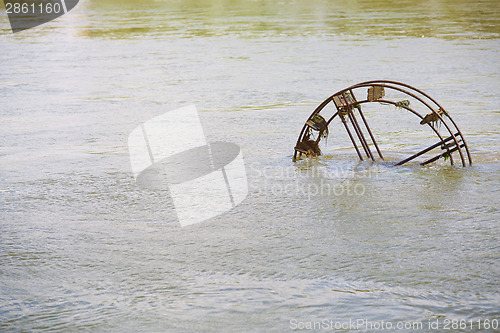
column 83, row 248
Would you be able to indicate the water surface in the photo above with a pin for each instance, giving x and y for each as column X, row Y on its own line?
column 83, row 247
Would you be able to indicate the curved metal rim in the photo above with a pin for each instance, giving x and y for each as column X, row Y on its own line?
column 413, row 93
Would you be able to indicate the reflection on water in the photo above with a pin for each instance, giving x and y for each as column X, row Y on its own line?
column 83, row 248
column 389, row 19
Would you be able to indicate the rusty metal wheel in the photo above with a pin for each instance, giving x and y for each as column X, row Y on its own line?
column 347, row 107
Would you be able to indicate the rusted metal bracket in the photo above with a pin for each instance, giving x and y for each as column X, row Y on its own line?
column 347, row 105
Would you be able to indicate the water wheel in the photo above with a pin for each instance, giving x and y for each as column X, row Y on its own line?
column 348, row 105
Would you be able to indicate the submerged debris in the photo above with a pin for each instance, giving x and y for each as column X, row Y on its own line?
column 308, row 146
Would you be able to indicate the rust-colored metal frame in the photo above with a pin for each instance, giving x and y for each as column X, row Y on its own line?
column 345, row 110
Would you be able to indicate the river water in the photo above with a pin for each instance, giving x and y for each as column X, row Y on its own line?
column 83, row 248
